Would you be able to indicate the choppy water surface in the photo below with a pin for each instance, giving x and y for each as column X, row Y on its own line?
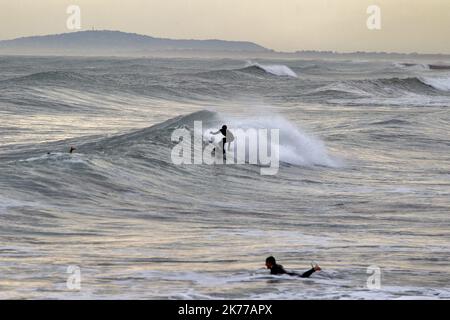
column 364, row 179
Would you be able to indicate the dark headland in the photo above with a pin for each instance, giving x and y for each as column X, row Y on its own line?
column 104, row 42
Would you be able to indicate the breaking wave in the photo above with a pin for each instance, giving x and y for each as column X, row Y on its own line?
column 277, row 70
column 439, row 83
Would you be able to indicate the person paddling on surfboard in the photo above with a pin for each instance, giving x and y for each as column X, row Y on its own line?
column 278, row 269
column 227, row 137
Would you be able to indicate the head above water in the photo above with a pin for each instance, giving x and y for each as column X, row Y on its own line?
column 270, row 262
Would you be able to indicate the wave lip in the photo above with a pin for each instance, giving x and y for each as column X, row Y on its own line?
column 251, row 69
column 439, row 83
column 374, row 88
column 412, row 66
column 275, row 69
column 421, row 66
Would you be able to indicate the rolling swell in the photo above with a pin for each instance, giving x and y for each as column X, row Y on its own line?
column 296, row 147
column 49, row 77
column 154, row 143
column 423, row 66
column 138, row 162
column 388, row 87
column 252, row 70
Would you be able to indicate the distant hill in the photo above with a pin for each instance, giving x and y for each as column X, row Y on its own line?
column 117, row 43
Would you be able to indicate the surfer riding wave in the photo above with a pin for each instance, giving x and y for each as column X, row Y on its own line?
column 227, row 137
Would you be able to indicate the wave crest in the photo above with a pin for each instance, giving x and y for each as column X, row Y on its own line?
column 275, row 69
column 439, row 83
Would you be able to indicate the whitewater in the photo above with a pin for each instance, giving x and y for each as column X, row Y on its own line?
column 364, row 179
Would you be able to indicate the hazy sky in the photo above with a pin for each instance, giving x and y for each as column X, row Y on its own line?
column 284, row 25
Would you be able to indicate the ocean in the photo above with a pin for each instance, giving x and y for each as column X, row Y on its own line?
column 363, row 182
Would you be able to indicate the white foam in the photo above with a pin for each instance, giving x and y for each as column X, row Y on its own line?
column 295, row 146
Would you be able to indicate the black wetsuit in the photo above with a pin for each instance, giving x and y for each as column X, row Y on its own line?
column 278, row 269
column 224, row 140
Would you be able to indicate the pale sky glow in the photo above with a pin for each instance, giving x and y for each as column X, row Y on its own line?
column 283, row 25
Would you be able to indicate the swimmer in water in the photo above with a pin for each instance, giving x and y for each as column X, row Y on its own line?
column 278, row 269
